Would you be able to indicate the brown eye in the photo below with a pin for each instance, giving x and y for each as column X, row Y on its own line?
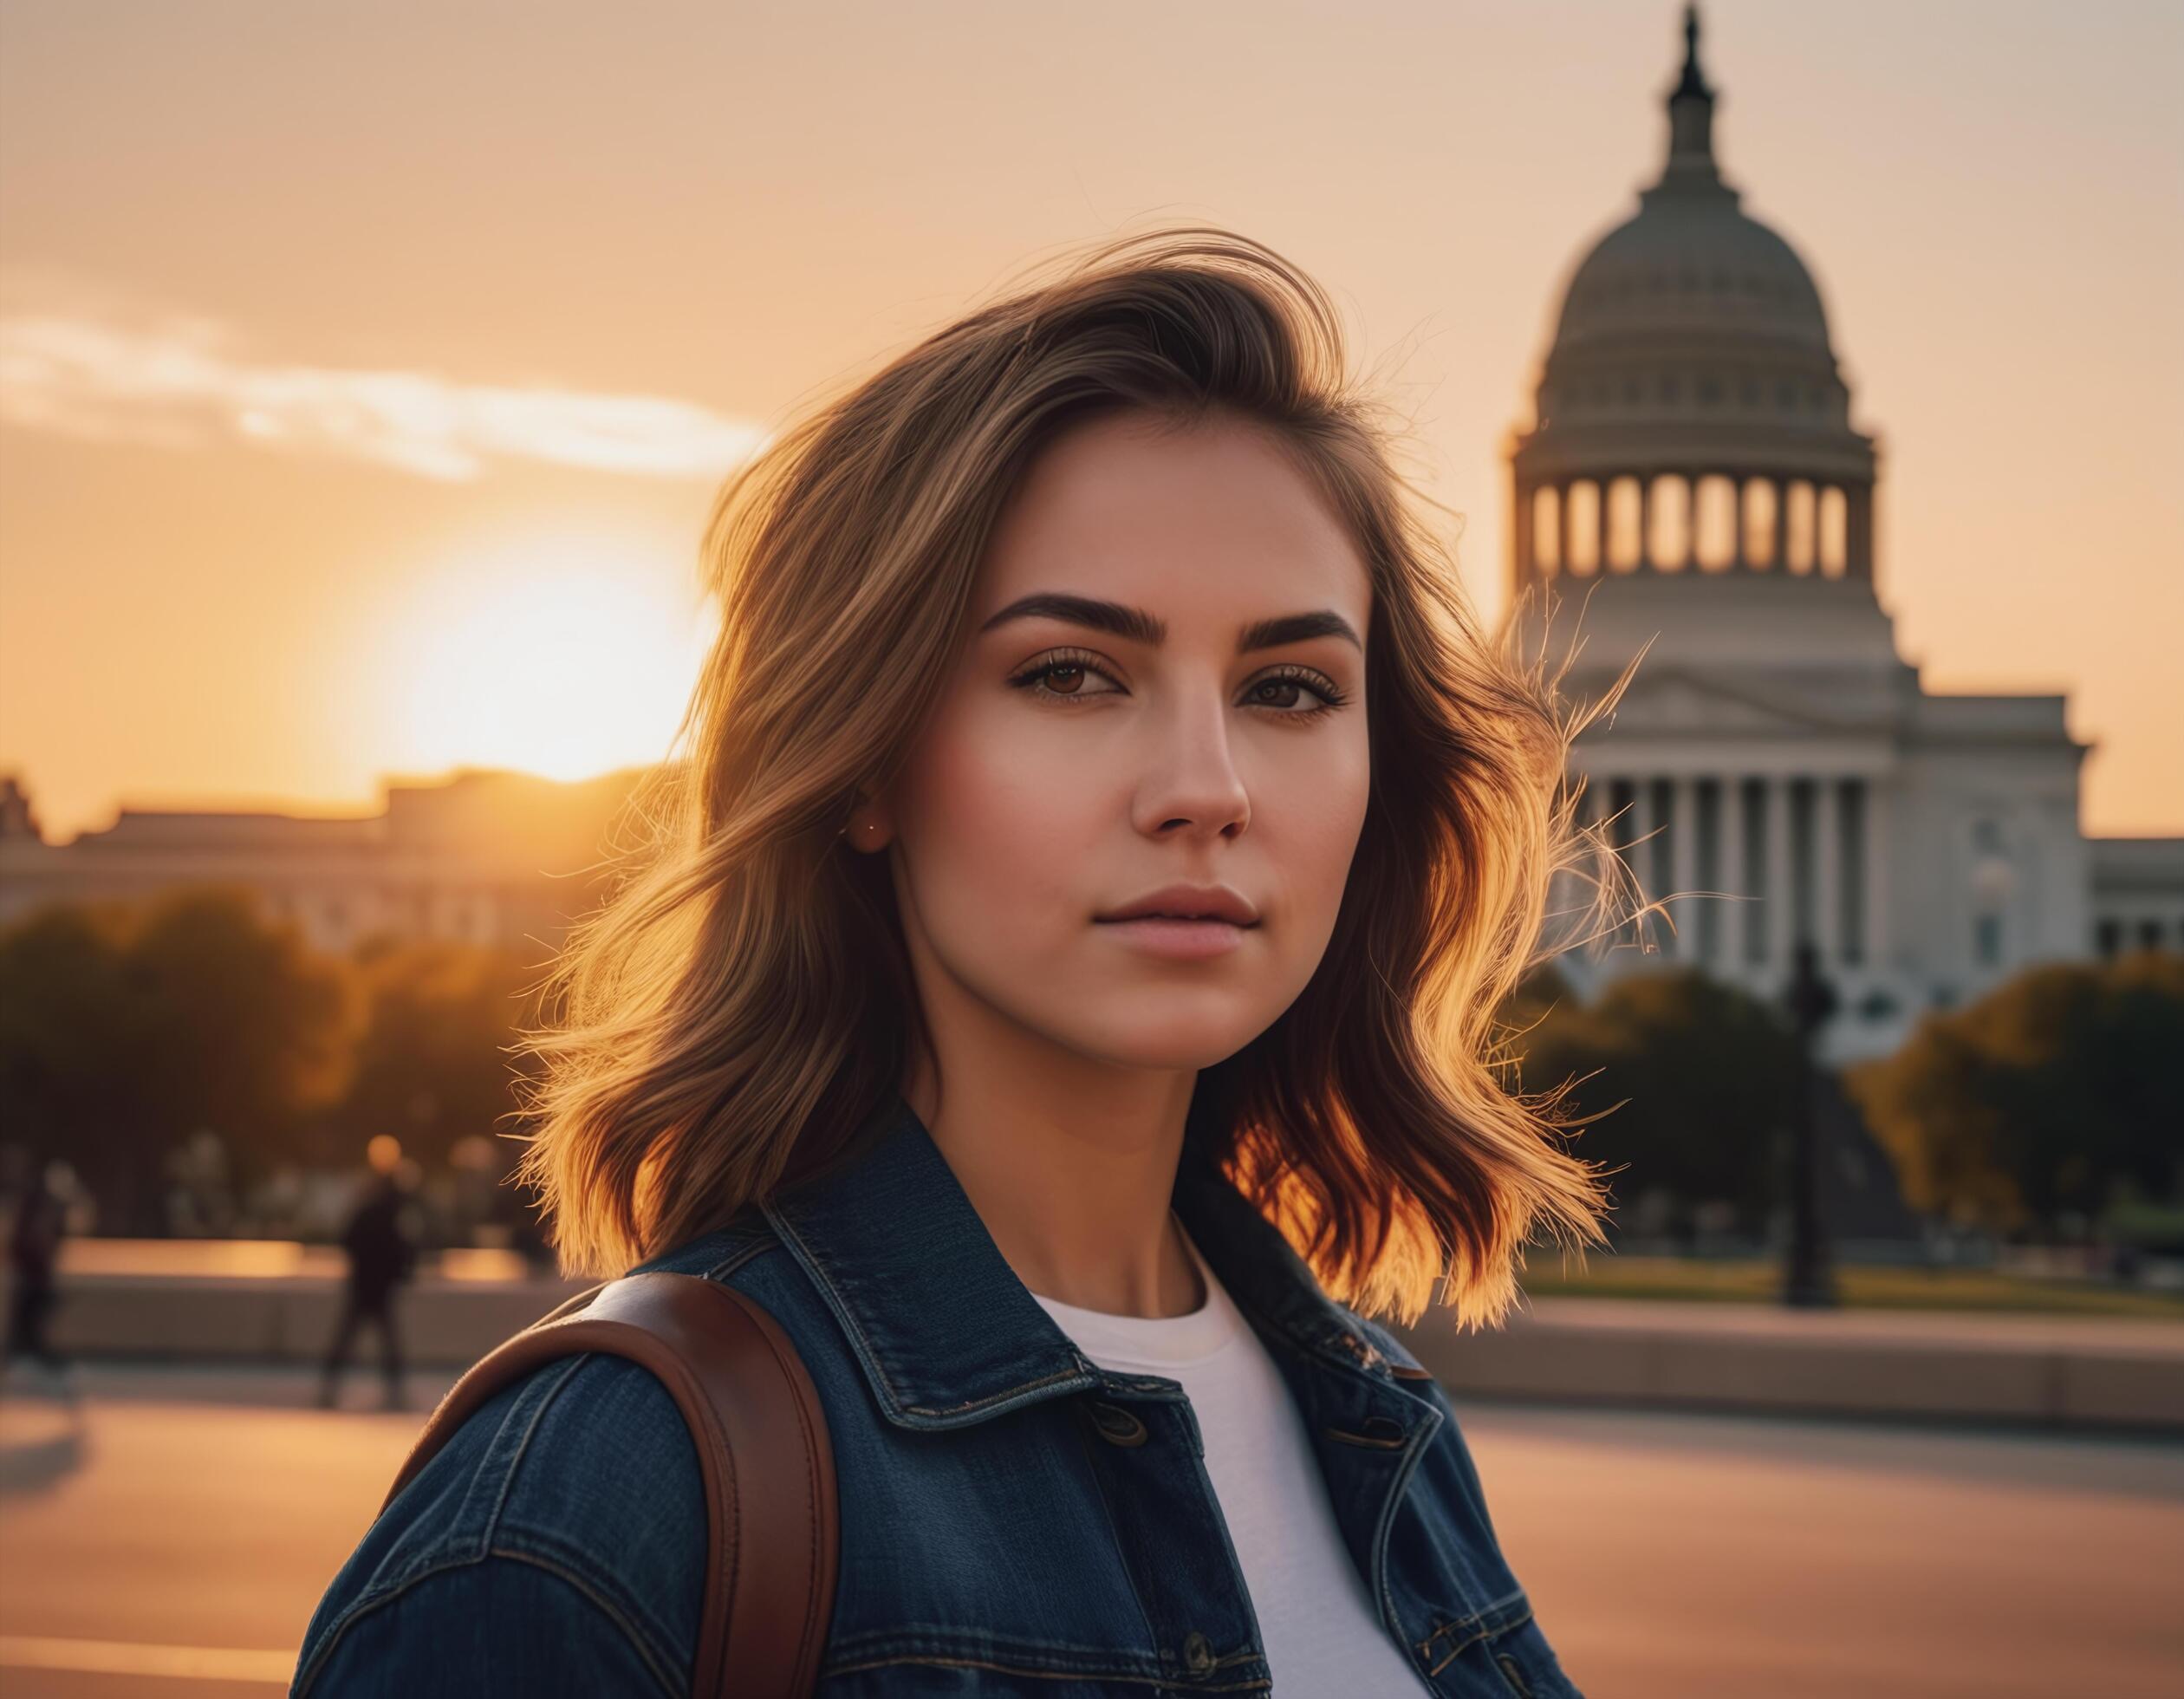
column 1294, row 679
column 1073, row 672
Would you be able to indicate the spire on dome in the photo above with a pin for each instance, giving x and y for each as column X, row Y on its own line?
column 1695, row 80
column 1691, row 105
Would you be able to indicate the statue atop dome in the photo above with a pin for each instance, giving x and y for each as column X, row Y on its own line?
column 1691, row 105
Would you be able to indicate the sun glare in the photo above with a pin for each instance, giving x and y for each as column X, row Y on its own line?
column 562, row 658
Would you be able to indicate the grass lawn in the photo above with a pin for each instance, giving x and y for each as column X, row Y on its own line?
column 1709, row 1281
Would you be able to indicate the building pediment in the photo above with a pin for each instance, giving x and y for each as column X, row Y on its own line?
column 1675, row 702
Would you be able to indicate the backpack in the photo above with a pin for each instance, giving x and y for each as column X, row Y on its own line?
column 763, row 1453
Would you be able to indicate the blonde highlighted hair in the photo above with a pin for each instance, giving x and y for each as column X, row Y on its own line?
column 723, row 1025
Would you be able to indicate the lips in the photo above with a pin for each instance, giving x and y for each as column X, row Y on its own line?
column 1188, row 902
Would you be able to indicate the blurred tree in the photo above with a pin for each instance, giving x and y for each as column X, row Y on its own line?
column 62, row 987
column 125, row 1028
column 1540, row 993
column 2059, row 1093
column 434, row 1064
column 1692, row 1080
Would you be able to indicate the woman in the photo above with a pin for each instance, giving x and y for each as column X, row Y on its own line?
column 1060, row 986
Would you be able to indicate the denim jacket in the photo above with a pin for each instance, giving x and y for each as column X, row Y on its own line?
column 1004, row 1528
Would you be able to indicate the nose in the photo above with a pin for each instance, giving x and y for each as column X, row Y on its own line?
column 1192, row 785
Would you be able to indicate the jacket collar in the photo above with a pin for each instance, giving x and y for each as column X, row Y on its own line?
column 946, row 1332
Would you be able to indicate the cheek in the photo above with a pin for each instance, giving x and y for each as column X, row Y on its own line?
column 1311, row 828
column 995, row 831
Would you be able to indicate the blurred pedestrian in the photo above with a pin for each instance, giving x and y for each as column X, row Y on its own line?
column 382, row 1255
column 39, row 1222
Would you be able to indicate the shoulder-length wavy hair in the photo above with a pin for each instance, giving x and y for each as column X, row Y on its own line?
column 722, row 1025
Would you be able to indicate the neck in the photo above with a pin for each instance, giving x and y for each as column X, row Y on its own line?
column 1073, row 1177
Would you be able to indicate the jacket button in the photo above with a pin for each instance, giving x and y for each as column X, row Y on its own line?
column 1198, row 1653
column 1116, row 1425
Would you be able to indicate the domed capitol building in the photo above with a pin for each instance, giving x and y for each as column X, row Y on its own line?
column 1693, row 489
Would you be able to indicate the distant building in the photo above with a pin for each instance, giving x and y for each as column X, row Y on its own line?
column 484, row 856
column 1693, row 481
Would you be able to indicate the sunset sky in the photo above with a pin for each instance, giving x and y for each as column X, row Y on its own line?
column 365, row 371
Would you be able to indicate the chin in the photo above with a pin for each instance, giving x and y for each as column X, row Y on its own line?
column 1165, row 1033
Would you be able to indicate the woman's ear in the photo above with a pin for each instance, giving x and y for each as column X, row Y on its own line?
column 870, row 826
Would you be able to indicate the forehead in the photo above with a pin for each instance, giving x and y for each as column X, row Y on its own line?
column 1215, row 516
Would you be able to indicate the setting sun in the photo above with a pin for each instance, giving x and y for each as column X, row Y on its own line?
column 564, row 657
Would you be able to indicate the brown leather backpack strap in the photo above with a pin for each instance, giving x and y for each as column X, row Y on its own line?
column 763, row 1453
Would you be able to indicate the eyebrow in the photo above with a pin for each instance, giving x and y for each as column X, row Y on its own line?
column 1140, row 627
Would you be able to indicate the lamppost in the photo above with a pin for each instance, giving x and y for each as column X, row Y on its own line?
column 1808, row 1281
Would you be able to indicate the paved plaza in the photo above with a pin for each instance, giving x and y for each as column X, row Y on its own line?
column 173, row 1539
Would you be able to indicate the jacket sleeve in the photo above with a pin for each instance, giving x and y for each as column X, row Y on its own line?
column 499, row 1628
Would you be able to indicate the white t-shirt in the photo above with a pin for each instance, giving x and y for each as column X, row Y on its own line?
column 1321, row 1632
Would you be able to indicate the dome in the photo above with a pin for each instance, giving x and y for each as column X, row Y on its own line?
column 1691, row 266
column 1690, row 413
column 1691, row 312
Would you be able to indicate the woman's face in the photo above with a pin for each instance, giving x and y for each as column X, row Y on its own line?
column 1106, row 733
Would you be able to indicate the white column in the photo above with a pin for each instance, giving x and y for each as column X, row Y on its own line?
column 1641, row 853
column 1827, row 855
column 1781, row 904
column 1684, row 848
column 1524, row 567
column 1876, row 874
column 1734, row 914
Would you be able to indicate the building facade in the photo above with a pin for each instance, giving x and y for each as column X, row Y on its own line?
column 1694, row 496
column 484, row 856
